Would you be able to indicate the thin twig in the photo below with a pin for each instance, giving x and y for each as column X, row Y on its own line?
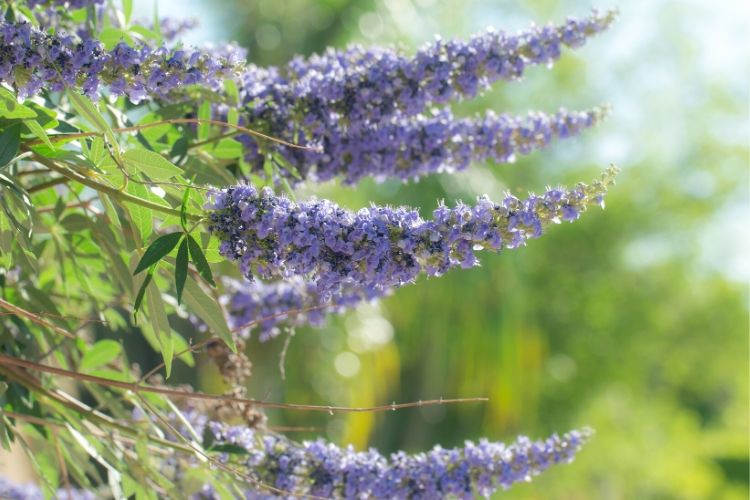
column 174, row 121
column 85, row 204
column 35, row 318
column 111, row 191
column 215, row 138
column 136, row 388
column 47, row 184
column 216, row 463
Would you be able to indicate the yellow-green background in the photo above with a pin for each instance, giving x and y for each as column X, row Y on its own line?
column 633, row 320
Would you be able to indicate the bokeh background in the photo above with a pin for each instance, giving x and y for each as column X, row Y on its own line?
column 633, row 320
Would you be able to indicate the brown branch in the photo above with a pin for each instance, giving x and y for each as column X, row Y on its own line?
column 136, row 388
column 215, row 138
column 24, row 173
column 290, row 428
column 86, row 204
column 72, row 403
column 47, row 184
column 35, row 318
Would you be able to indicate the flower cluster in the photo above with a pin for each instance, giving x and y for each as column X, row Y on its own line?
column 172, row 29
column 13, row 491
column 257, row 305
column 32, row 60
column 337, row 98
column 325, row 470
column 411, row 147
column 70, row 4
column 378, row 248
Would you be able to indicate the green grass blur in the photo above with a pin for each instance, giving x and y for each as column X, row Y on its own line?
column 633, row 321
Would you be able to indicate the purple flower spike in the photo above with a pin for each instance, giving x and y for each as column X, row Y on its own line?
column 33, row 61
column 325, row 470
column 378, row 248
column 412, row 147
column 363, row 105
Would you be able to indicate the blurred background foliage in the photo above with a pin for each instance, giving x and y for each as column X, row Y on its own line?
column 633, row 320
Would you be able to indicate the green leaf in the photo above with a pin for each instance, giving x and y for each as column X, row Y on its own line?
column 19, row 200
column 152, row 164
column 75, row 222
column 142, row 217
column 142, row 292
column 144, row 32
column 179, row 149
column 160, row 324
column 233, row 449
column 157, row 250
column 11, row 109
column 127, row 9
column 230, row 88
column 153, row 133
column 233, row 116
column 227, row 149
column 201, row 264
column 204, row 113
column 183, row 208
column 38, row 131
column 207, row 309
column 111, row 375
column 87, row 110
column 116, row 267
column 181, row 268
column 96, row 152
column 212, row 251
column 102, row 353
column 46, row 117
column 180, row 345
column 110, row 37
column 10, row 143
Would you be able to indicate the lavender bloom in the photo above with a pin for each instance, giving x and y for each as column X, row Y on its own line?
column 70, row 4
column 371, row 87
column 412, row 147
column 265, row 306
column 12, row 491
column 440, row 72
column 379, row 248
column 326, row 470
column 338, row 99
column 171, row 29
column 33, row 61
